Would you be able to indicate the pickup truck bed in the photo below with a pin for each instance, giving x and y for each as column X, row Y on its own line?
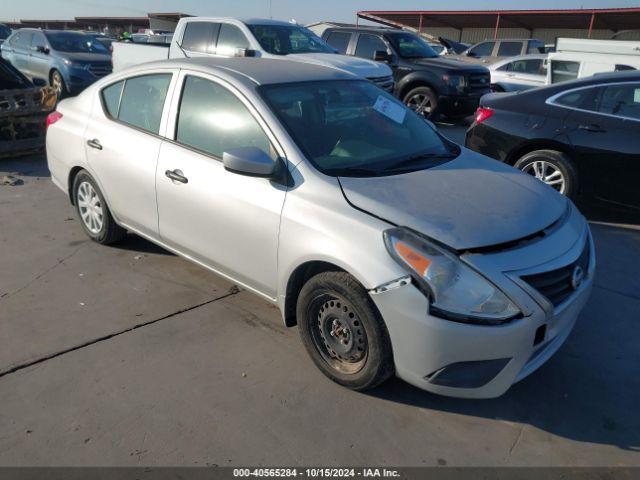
column 129, row 54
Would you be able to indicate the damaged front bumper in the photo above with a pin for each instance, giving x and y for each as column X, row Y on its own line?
column 23, row 114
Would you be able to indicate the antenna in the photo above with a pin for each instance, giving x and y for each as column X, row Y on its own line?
column 270, row 15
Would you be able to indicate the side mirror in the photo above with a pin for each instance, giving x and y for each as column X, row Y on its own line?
column 244, row 52
column 42, row 49
column 39, row 82
column 471, row 54
column 381, row 56
column 250, row 161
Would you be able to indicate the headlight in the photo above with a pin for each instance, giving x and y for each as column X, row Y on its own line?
column 458, row 82
column 455, row 290
column 74, row 64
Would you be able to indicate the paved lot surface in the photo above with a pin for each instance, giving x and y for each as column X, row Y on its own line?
column 129, row 355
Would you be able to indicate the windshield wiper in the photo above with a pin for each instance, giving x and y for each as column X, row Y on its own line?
column 353, row 172
column 434, row 158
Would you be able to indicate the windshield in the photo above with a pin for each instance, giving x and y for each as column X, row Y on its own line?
column 4, row 32
column 286, row 39
column 75, row 43
column 409, row 45
column 353, row 128
column 11, row 78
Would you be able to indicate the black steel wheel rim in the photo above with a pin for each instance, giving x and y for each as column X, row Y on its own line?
column 338, row 333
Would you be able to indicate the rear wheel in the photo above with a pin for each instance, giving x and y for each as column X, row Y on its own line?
column 343, row 331
column 95, row 217
column 57, row 82
column 422, row 100
column 553, row 168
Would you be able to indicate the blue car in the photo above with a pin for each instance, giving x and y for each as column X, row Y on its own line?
column 68, row 61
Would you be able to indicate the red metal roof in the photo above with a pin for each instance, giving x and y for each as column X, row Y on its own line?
column 603, row 18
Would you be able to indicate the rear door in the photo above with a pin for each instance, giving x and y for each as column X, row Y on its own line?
column 226, row 221
column 122, row 145
column 21, row 49
column 605, row 133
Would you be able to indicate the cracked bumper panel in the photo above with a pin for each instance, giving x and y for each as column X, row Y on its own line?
column 423, row 345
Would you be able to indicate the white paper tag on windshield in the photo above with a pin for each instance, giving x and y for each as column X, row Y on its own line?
column 390, row 109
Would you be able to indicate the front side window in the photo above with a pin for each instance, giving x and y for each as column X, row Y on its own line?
column 484, row 49
column 230, row 38
column 529, row 67
column 38, row 40
column 352, row 128
column 138, row 101
column 563, row 70
column 339, row 41
column 409, row 45
column 509, row 49
column 73, row 42
column 199, row 36
column 213, row 120
column 368, row 45
column 288, row 39
column 621, row 100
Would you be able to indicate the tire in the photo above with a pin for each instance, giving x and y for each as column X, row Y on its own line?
column 336, row 301
column 414, row 100
column 550, row 166
column 93, row 212
column 57, row 82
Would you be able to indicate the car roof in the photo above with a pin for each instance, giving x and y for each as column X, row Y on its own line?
column 246, row 21
column 258, row 71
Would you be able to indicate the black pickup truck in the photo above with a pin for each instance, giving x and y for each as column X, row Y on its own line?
column 427, row 83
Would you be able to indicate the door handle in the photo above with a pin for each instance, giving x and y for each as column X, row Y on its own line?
column 176, row 175
column 94, row 143
column 592, row 128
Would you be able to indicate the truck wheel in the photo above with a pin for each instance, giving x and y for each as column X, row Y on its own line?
column 422, row 100
column 553, row 168
column 343, row 331
column 57, row 82
column 95, row 217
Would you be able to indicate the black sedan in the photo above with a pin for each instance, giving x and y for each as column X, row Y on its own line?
column 580, row 137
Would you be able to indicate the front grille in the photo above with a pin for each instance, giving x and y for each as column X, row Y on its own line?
column 479, row 81
column 100, row 70
column 385, row 83
column 556, row 285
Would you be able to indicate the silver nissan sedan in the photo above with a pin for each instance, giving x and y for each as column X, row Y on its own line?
column 394, row 250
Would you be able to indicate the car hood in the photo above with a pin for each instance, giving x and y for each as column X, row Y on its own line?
column 87, row 57
column 469, row 202
column 448, row 63
column 358, row 66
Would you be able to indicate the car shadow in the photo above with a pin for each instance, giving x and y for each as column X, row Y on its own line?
column 27, row 166
column 135, row 243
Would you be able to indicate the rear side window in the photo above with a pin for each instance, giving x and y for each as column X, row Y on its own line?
column 229, row 39
column 339, row 41
column 141, row 101
column 213, row 120
column 199, row 36
column 621, row 100
column 584, row 99
column 111, row 98
column 529, row 67
column 509, row 49
column 368, row 45
column 22, row 40
column 563, row 70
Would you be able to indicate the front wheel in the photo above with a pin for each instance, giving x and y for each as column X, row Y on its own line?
column 343, row 331
column 57, row 82
column 553, row 168
column 422, row 100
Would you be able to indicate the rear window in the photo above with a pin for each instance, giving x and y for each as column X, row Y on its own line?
column 339, row 41
column 621, row 101
column 564, row 70
column 198, row 36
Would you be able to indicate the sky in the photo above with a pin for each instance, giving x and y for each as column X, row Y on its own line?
column 304, row 11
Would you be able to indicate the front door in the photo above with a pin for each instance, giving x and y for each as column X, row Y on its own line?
column 224, row 220
column 606, row 141
column 122, row 144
